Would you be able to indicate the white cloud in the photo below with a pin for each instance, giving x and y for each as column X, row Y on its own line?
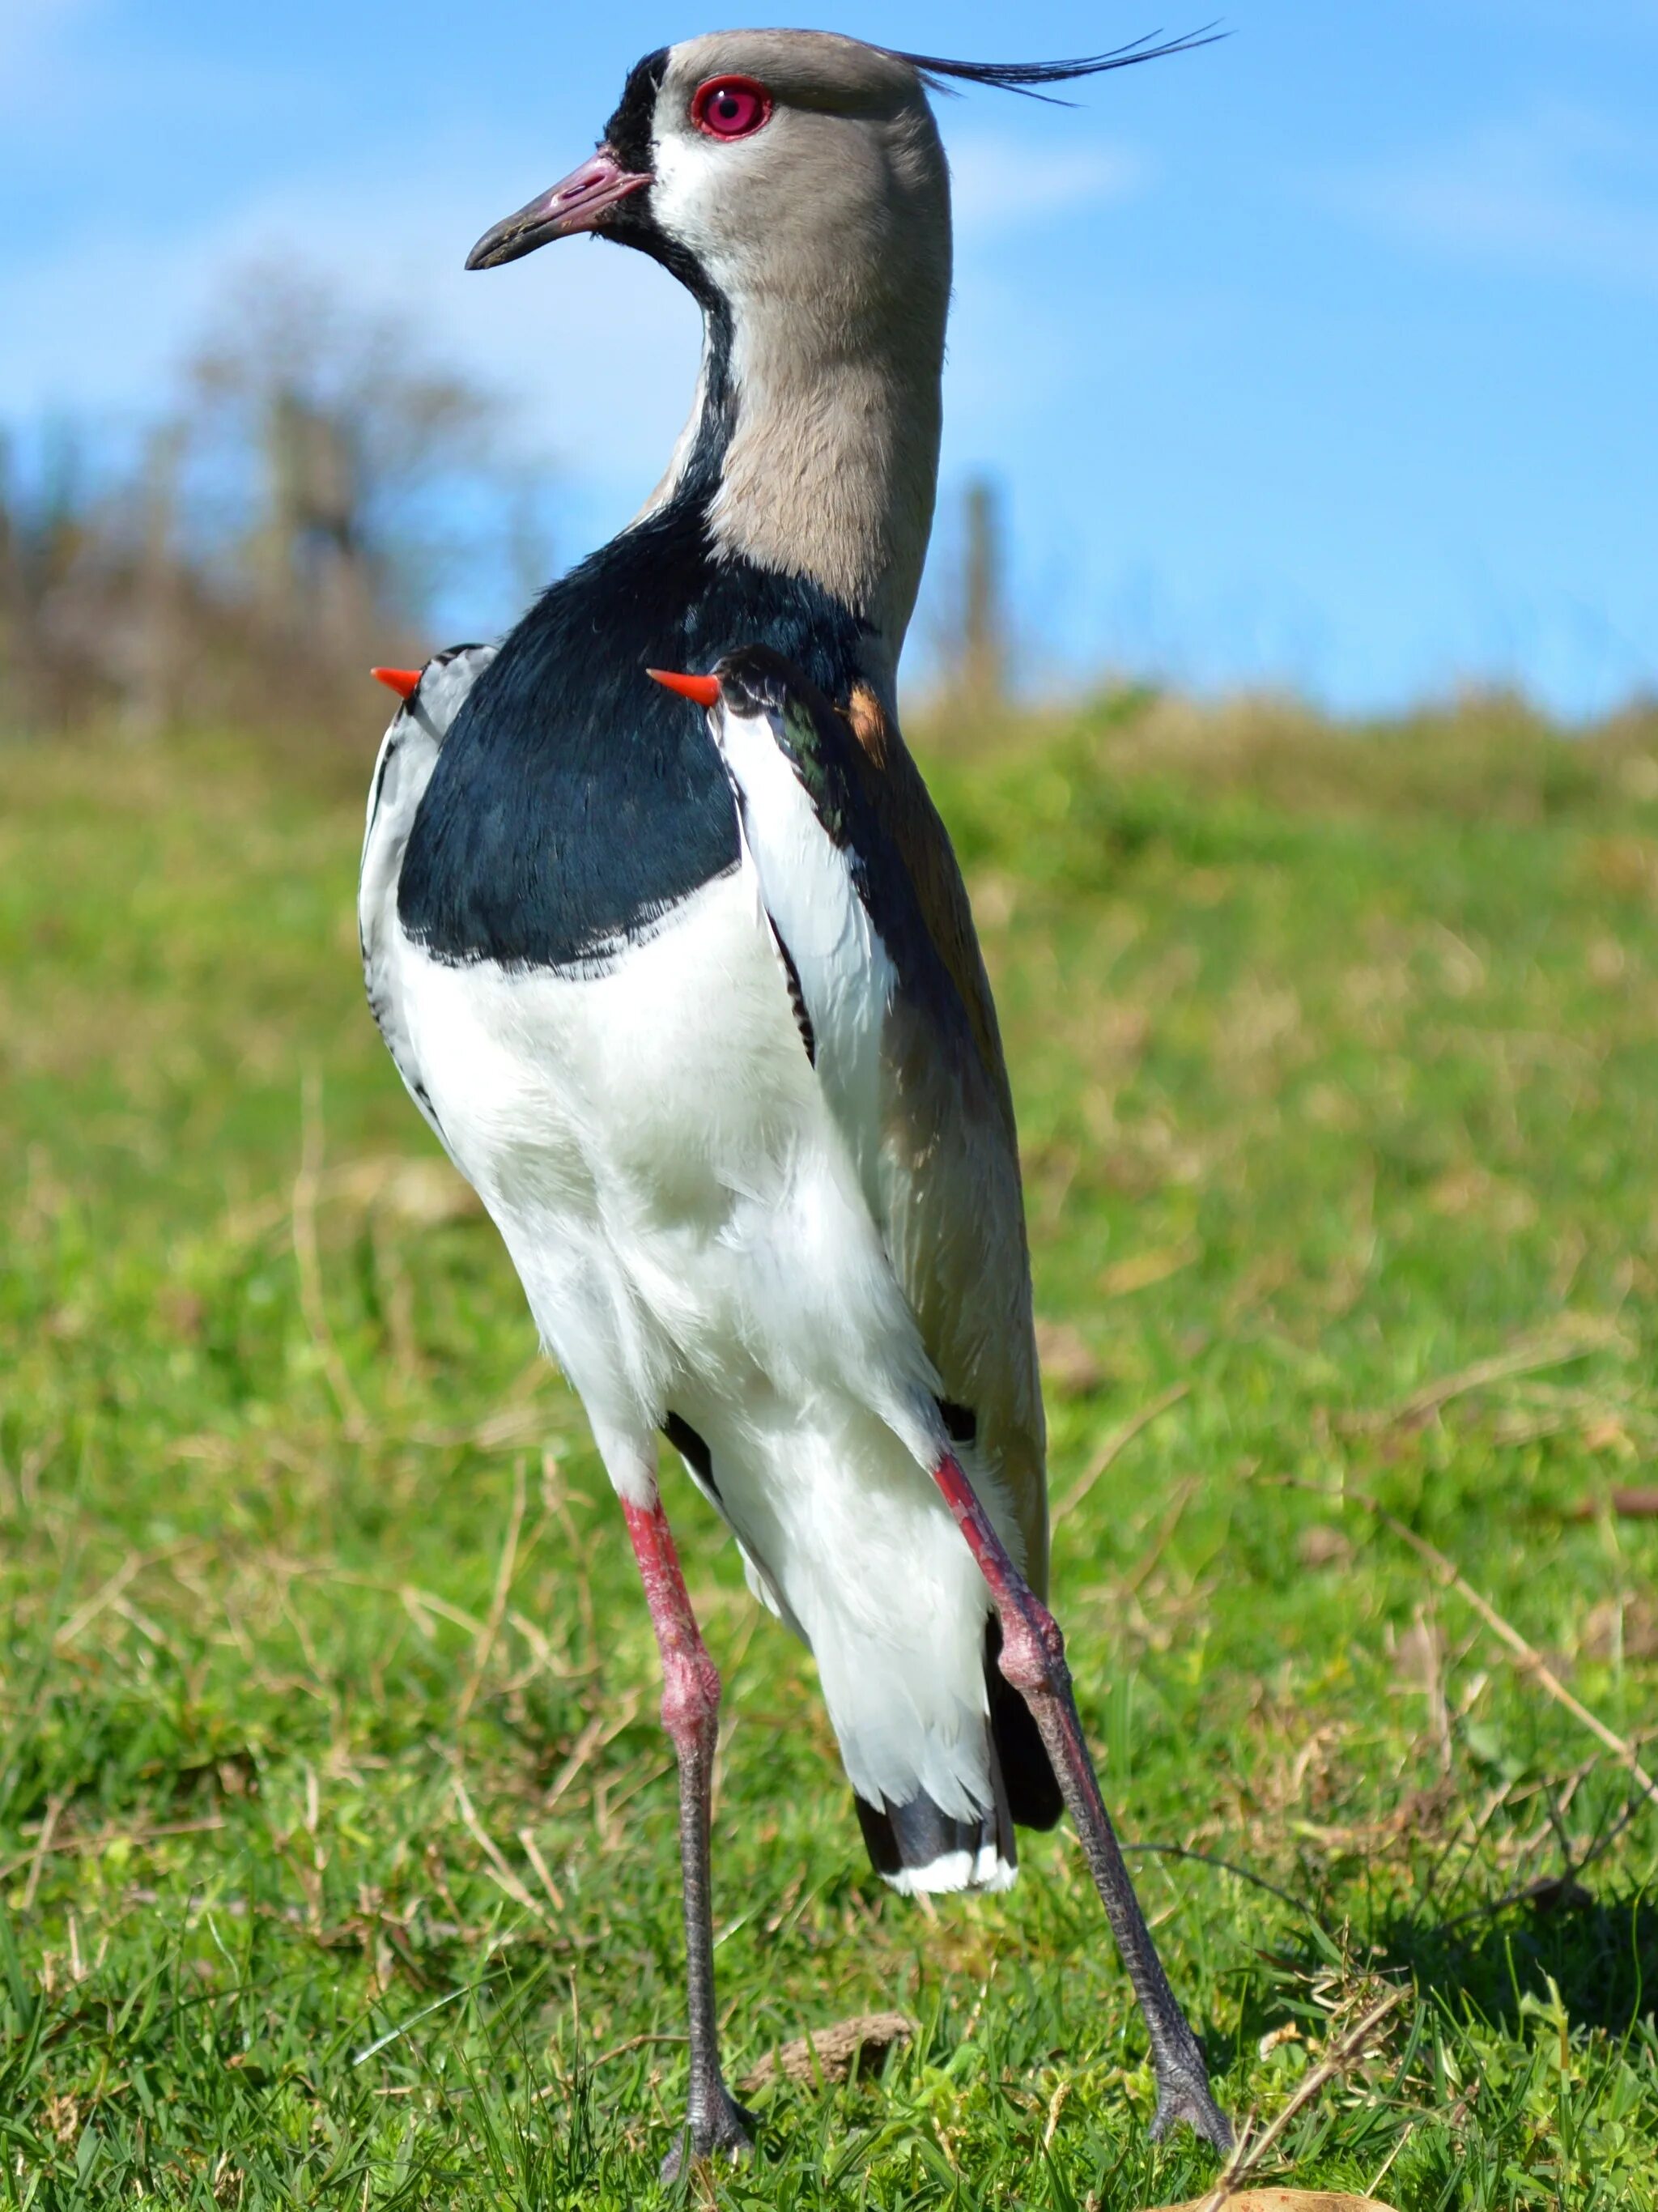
column 58, row 67
column 593, row 348
column 1559, row 192
column 1001, row 185
column 32, row 32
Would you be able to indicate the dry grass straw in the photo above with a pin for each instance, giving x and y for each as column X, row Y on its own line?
column 1526, row 1656
column 1252, row 2149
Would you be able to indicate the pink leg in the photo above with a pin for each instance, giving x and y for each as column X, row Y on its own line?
column 1033, row 1661
column 690, row 1714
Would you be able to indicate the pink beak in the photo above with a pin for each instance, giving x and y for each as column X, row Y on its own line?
column 579, row 203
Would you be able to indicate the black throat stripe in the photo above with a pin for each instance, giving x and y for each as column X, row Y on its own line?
column 629, row 131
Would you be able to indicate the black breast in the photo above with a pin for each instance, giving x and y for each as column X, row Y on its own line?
column 575, row 801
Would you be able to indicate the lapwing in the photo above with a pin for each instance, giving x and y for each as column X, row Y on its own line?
column 777, row 1223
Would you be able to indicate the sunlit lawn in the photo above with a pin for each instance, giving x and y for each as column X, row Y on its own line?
column 336, row 1830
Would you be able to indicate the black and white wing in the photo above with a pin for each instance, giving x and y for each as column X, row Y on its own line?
column 408, row 755
column 867, row 908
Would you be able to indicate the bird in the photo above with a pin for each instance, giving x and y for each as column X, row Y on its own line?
column 723, row 1065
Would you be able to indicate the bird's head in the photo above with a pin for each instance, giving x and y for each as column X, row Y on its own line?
column 756, row 163
column 794, row 181
column 742, row 147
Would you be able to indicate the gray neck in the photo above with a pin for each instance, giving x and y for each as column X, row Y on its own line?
column 818, row 420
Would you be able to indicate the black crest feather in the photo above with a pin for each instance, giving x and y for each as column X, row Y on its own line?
column 1027, row 77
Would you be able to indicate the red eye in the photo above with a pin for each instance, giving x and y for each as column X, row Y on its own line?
column 731, row 106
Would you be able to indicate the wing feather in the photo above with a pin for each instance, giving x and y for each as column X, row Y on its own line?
column 934, row 1132
column 408, row 754
column 953, row 1201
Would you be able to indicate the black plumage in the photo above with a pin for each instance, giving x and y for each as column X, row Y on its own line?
column 575, row 802
column 1027, row 77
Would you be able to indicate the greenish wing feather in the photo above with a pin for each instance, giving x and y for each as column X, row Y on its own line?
column 954, row 1209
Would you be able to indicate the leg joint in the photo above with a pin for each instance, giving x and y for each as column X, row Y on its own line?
column 690, row 1698
column 1033, row 1650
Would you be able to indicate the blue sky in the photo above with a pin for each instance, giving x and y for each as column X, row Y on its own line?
column 1327, row 356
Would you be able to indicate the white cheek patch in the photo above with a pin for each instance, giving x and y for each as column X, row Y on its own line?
column 697, row 180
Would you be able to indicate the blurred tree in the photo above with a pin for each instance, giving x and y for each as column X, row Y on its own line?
column 47, row 533
column 984, row 609
column 968, row 624
column 157, row 658
column 281, row 527
column 344, row 454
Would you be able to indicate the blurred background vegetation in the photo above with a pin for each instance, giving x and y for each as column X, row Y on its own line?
column 241, row 560
column 335, row 1834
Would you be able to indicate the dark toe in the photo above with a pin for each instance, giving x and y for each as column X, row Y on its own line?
column 724, row 2133
column 1189, row 2099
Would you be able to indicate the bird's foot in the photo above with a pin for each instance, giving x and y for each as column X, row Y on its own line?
column 1183, row 2094
column 720, row 2129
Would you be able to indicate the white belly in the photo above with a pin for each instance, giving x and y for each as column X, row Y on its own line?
column 654, row 1144
column 692, row 1235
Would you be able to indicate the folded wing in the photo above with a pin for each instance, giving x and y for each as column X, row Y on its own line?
column 907, row 1048
column 408, row 754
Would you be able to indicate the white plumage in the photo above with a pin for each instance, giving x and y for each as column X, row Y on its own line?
column 675, row 1184
column 402, row 768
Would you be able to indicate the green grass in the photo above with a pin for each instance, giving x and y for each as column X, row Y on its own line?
column 1337, row 1062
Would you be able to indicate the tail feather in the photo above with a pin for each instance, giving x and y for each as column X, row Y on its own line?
column 917, row 1847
